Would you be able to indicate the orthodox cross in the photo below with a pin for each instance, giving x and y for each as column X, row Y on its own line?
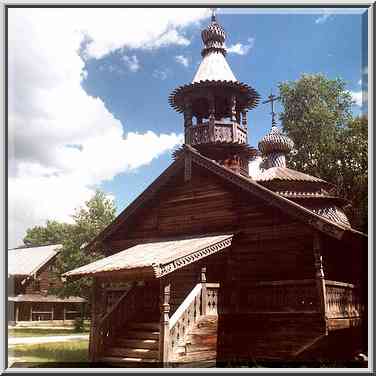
column 213, row 14
column 272, row 98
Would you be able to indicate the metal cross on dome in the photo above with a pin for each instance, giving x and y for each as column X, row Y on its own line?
column 271, row 99
column 213, row 13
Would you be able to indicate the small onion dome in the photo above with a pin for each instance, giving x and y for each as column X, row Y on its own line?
column 213, row 37
column 275, row 141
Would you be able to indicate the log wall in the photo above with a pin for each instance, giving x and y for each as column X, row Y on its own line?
column 46, row 278
column 268, row 246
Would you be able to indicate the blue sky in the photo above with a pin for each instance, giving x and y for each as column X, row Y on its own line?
column 281, row 48
column 88, row 91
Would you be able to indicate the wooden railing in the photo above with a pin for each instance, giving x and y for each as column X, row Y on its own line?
column 284, row 296
column 201, row 301
column 342, row 300
column 218, row 132
column 212, row 298
column 184, row 318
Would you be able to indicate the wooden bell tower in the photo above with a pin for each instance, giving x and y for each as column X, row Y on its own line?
column 215, row 106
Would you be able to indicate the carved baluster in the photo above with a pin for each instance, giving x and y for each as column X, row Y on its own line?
column 164, row 324
column 203, row 291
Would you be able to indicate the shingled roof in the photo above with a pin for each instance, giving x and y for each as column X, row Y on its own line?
column 155, row 259
column 27, row 261
column 284, row 173
column 334, row 229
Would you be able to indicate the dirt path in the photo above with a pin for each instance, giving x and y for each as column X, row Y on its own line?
column 45, row 339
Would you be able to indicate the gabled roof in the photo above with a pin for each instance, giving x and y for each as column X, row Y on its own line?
column 28, row 261
column 297, row 211
column 154, row 260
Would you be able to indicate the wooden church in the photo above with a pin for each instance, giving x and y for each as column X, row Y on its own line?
column 209, row 266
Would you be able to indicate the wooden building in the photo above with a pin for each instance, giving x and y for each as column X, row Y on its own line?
column 211, row 265
column 31, row 273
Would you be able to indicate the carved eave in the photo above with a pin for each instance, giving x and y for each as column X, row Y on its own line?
column 154, row 259
column 247, row 97
column 161, row 270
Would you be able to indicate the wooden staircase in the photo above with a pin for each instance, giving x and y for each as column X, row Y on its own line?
column 137, row 344
column 200, row 345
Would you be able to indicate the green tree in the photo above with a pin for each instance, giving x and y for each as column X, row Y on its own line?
column 329, row 143
column 88, row 221
column 53, row 233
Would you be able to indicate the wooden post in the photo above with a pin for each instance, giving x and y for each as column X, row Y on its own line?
column 238, row 117
column 320, row 281
column 17, row 311
column 233, row 108
column 52, row 313
column 64, row 313
column 187, row 113
column 31, row 312
column 203, row 291
column 164, row 338
column 93, row 340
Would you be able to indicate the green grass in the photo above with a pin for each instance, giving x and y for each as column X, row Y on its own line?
column 76, row 351
column 37, row 332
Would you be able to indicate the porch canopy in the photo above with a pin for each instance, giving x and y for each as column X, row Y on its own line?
column 154, row 260
column 38, row 298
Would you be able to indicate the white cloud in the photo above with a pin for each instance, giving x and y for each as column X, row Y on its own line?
column 62, row 141
column 359, row 97
column 160, row 74
column 182, row 60
column 241, row 49
column 324, row 17
column 131, row 62
column 254, row 167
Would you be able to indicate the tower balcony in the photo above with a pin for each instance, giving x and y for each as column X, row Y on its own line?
column 215, row 132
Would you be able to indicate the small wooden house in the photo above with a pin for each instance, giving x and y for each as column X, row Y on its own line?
column 31, row 272
column 211, row 265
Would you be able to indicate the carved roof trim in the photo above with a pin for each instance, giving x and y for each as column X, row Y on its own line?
column 156, row 259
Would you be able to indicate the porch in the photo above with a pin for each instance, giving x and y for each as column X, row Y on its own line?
column 153, row 312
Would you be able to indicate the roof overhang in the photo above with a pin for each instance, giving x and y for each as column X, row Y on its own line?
column 154, row 260
column 38, row 298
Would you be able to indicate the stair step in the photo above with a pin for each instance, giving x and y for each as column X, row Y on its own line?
column 154, row 326
column 119, row 359
column 132, row 352
column 138, row 343
column 141, row 334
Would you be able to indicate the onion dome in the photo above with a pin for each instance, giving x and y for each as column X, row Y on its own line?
column 214, row 74
column 275, row 145
column 213, row 37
